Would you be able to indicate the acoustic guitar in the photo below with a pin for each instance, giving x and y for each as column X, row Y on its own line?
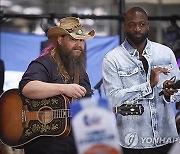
column 23, row 120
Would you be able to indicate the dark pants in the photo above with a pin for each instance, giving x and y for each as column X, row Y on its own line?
column 52, row 145
column 159, row 150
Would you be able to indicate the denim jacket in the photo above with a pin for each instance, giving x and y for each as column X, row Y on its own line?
column 125, row 81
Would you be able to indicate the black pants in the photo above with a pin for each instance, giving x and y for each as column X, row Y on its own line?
column 52, row 145
column 159, row 150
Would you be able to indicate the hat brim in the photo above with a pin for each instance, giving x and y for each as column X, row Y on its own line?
column 54, row 32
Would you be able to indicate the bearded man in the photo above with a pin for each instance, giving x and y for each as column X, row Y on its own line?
column 138, row 72
column 61, row 71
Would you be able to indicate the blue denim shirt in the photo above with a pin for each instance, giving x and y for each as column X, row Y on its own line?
column 125, row 81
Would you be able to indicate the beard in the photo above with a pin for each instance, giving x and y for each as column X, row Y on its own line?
column 137, row 40
column 73, row 63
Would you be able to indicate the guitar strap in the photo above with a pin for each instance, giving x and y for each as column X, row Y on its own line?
column 76, row 80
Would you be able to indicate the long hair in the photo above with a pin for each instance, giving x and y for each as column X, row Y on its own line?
column 60, row 66
column 47, row 50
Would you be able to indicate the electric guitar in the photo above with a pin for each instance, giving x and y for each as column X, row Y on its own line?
column 23, row 120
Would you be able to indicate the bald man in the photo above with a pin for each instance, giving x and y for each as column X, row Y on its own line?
column 143, row 72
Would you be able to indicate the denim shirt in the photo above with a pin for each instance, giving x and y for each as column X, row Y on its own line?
column 125, row 81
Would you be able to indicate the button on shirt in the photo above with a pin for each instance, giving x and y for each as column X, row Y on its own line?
column 126, row 81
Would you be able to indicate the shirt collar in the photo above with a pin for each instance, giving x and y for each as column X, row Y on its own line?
column 132, row 51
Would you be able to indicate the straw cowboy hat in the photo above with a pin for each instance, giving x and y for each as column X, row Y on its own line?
column 71, row 26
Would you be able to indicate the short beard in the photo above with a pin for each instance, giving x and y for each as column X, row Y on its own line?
column 136, row 40
column 73, row 64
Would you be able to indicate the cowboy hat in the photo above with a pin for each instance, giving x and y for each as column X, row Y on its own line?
column 71, row 26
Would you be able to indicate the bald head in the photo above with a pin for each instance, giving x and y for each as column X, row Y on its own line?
column 135, row 11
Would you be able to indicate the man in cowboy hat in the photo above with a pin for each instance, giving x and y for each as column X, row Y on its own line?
column 61, row 71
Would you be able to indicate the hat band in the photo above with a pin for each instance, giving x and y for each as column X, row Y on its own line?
column 78, row 32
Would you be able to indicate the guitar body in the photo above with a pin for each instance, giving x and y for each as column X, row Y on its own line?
column 23, row 119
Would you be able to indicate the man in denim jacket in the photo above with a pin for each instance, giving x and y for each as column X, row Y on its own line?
column 135, row 73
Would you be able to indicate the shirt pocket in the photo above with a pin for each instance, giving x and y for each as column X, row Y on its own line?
column 129, row 76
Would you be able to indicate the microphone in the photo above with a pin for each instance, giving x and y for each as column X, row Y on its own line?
column 176, row 85
column 98, row 85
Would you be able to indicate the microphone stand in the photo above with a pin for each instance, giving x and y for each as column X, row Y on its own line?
column 98, row 87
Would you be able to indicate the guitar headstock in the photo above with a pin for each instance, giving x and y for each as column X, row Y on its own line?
column 129, row 109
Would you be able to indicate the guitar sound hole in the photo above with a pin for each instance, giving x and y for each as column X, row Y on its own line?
column 45, row 115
